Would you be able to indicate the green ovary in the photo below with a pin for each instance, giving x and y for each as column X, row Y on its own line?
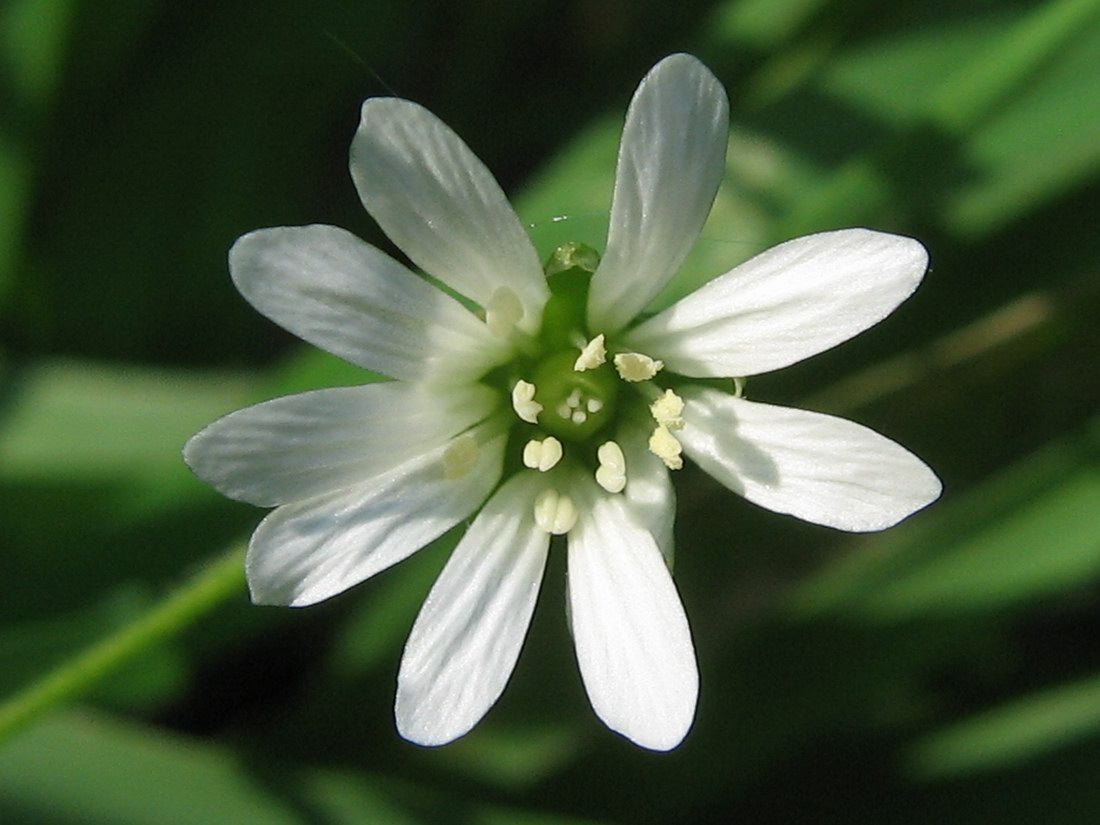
column 576, row 405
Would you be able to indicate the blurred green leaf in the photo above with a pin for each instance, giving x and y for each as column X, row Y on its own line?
column 90, row 769
column 922, row 149
column 1030, row 532
column 95, row 490
column 1023, row 729
column 1041, row 146
column 762, row 24
column 32, row 648
column 33, row 36
column 71, row 420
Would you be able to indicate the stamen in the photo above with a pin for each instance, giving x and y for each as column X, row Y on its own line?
column 668, row 411
column 542, row 455
column 503, row 312
column 611, row 474
column 578, row 417
column 460, row 457
column 664, row 445
column 524, row 403
column 592, row 355
column 594, row 405
column 574, row 399
column 633, row 366
column 555, row 513
column 564, row 410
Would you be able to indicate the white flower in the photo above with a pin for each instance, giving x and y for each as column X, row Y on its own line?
column 554, row 410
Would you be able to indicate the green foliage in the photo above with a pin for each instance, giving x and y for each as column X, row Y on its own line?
column 944, row 671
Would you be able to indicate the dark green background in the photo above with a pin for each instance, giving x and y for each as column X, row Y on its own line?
column 945, row 671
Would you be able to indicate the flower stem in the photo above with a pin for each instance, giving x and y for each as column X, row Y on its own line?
column 219, row 580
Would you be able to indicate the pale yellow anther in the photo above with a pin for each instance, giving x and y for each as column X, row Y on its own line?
column 594, row 405
column 668, row 411
column 524, row 403
column 633, row 366
column 542, row 455
column 564, row 410
column 592, row 355
column 460, row 457
column 503, row 312
column 664, row 445
column 555, row 513
column 578, row 416
column 611, row 474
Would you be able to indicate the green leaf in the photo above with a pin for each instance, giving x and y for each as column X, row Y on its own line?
column 763, row 24
column 1028, row 533
column 77, row 767
column 1013, row 733
column 72, row 420
column 33, row 34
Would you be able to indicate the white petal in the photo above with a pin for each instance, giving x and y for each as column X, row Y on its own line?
column 649, row 493
column 671, row 161
column 468, row 635
column 441, row 206
column 819, row 468
column 343, row 295
column 306, row 552
column 302, row 446
column 632, row 638
column 786, row 304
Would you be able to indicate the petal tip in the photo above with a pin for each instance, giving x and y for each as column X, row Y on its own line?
column 423, row 729
column 662, row 740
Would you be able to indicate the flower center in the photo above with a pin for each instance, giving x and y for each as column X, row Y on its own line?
column 576, row 404
column 565, row 386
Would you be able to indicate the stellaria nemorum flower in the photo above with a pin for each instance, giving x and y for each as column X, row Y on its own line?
column 555, row 407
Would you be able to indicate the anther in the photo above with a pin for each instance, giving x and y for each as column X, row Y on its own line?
column 542, row 455
column 554, row 513
column 633, row 366
column 524, row 403
column 578, row 416
column 611, row 474
column 664, row 445
column 460, row 457
column 503, row 312
column 592, row 355
column 668, row 411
